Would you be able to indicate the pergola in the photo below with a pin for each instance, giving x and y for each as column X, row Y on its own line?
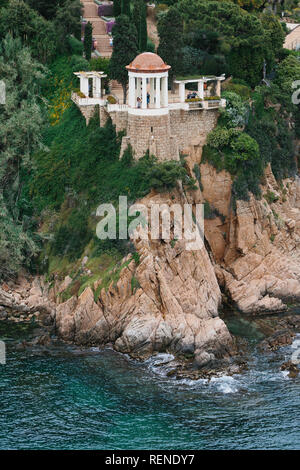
column 200, row 81
column 84, row 83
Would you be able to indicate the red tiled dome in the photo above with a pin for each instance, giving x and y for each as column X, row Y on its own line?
column 147, row 62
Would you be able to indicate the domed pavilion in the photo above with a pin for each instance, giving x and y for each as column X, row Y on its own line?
column 148, row 82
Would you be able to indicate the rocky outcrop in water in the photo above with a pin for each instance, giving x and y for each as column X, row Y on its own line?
column 168, row 301
column 25, row 298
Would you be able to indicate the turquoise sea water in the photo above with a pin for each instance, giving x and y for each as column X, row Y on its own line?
column 67, row 398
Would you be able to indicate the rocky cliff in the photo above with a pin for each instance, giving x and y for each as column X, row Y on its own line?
column 167, row 301
column 259, row 257
column 252, row 253
column 169, row 298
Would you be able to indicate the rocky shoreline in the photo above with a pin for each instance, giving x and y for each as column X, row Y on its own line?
column 169, row 299
column 25, row 301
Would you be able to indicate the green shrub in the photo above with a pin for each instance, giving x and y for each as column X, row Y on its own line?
column 127, row 157
column 244, row 147
column 197, row 173
column 218, row 138
column 212, row 156
column 241, row 90
column 100, row 64
column 134, row 284
column 276, row 143
column 160, row 9
column 72, row 236
column 270, row 197
column 208, row 211
column 238, row 153
column 111, row 99
column 164, row 175
column 236, row 112
column 76, row 46
column 150, row 46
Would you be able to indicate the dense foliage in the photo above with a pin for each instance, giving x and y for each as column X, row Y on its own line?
column 215, row 37
column 21, row 121
column 85, row 159
column 247, row 139
column 46, row 35
column 82, row 166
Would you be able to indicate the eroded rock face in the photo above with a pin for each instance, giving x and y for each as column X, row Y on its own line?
column 254, row 257
column 27, row 297
column 260, row 266
column 174, row 307
column 170, row 299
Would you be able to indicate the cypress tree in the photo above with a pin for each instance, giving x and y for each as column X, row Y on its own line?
column 125, row 50
column 117, row 7
column 170, row 30
column 143, row 34
column 126, row 8
column 139, row 18
column 88, row 41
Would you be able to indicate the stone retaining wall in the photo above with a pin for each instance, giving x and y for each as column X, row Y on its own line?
column 151, row 133
column 192, row 127
column 163, row 135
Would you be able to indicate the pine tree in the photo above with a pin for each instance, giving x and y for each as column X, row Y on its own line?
column 88, row 41
column 125, row 50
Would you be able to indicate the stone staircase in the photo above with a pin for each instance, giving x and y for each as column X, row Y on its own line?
column 90, row 13
column 99, row 26
column 116, row 90
column 103, row 45
column 90, row 9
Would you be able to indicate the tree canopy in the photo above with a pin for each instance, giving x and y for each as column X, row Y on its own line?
column 45, row 38
column 21, row 123
column 223, row 29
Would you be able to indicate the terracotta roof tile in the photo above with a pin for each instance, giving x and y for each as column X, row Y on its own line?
column 148, row 62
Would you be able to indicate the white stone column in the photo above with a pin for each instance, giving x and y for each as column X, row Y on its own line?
column 93, row 87
column 152, row 91
column 182, row 92
column 84, row 86
column 97, row 87
column 132, row 98
column 201, row 89
column 165, row 92
column 138, row 88
column 157, row 92
column 144, row 93
column 218, row 88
